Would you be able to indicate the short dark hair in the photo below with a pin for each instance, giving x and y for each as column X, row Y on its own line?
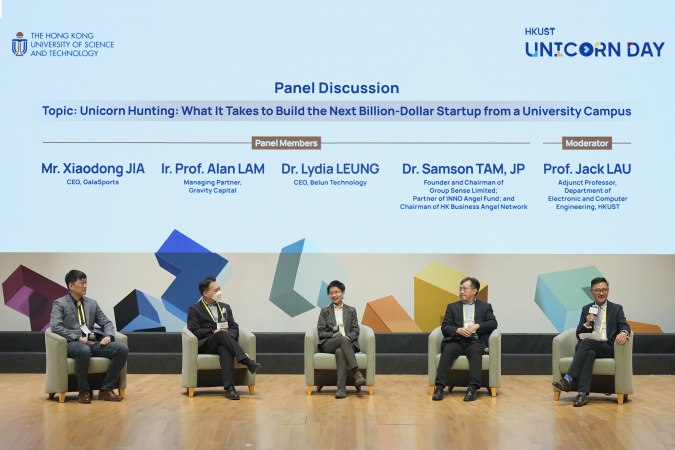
column 205, row 283
column 73, row 276
column 337, row 284
column 474, row 282
column 597, row 280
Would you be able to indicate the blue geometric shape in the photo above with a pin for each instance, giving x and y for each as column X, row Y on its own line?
column 561, row 295
column 302, row 275
column 135, row 313
column 190, row 263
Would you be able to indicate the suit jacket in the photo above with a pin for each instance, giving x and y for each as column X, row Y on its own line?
column 616, row 321
column 200, row 323
column 454, row 318
column 64, row 320
column 327, row 321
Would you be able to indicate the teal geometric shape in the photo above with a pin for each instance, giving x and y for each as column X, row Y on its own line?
column 561, row 295
column 302, row 275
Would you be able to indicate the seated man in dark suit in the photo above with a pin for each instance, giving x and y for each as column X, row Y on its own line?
column 213, row 325
column 338, row 328
column 466, row 326
column 74, row 317
column 601, row 324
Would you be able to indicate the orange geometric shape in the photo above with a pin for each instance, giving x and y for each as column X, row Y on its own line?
column 639, row 327
column 386, row 315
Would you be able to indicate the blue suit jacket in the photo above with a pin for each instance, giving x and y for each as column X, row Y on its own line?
column 616, row 321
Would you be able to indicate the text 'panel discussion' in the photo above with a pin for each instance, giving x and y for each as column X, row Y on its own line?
column 311, row 225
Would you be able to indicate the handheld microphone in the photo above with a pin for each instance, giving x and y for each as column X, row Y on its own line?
column 593, row 310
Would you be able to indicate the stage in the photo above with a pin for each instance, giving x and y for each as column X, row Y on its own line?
column 157, row 413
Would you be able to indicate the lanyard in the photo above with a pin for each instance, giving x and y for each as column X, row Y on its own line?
column 209, row 310
column 80, row 310
column 473, row 313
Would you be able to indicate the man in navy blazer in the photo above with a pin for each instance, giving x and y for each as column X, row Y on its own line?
column 338, row 329
column 74, row 317
column 212, row 323
column 606, row 324
column 466, row 326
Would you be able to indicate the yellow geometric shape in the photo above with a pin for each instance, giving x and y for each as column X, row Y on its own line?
column 386, row 315
column 435, row 286
column 597, row 44
column 640, row 327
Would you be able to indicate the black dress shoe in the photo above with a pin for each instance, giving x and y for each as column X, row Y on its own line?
column 253, row 366
column 438, row 393
column 581, row 400
column 471, row 394
column 563, row 385
column 232, row 393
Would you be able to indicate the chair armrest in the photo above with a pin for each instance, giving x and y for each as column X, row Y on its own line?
column 56, row 355
column 190, row 348
column 495, row 346
column 435, row 339
column 122, row 380
column 563, row 347
column 623, row 360
column 367, row 343
column 247, row 341
column 311, row 344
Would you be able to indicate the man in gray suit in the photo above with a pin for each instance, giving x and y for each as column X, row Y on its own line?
column 74, row 317
column 338, row 328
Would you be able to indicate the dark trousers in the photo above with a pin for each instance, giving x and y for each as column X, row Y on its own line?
column 473, row 349
column 344, row 356
column 582, row 364
column 116, row 352
column 224, row 345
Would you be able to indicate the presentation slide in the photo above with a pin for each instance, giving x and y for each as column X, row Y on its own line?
column 294, row 141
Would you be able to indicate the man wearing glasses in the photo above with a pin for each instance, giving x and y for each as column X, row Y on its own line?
column 601, row 324
column 466, row 326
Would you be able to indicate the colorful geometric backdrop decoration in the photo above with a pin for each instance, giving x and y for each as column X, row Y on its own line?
column 641, row 327
column 189, row 262
column 561, row 295
column 386, row 315
column 302, row 276
column 135, row 313
column 32, row 295
column 435, row 286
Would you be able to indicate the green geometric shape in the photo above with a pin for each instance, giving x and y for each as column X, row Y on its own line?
column 561, row 295
column 302, row 272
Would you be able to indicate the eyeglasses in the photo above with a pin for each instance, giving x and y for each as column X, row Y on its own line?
column 600, row 291
column 463, row 289
column 334, row 292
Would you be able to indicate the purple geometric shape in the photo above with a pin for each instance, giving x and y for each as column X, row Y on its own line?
column 32, row 295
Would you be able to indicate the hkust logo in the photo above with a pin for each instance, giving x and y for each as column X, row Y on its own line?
column 19, row 45
column 595, row 49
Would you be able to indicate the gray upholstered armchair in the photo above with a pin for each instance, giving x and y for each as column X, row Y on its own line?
column 204, row 370
column 459, row 373
column 60, row 373
column 321, row 368
column 610, row 375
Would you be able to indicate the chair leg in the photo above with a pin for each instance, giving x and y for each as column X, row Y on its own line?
column 619, row 398
column 191, row 392
column 122, row 391
column 493, row 391
column 318, row 388
column 556, row 396
column 251, row 388
column 431, row 390
column 309, row 390
column 358, row 388
column 370, row 390
column 51, row 395
column 62, row 397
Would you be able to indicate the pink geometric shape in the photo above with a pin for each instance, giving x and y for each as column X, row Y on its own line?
column 32, row 295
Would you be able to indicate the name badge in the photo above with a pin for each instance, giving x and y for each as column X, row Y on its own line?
column 223, row 325
column 593, row 310
column 85, row 329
